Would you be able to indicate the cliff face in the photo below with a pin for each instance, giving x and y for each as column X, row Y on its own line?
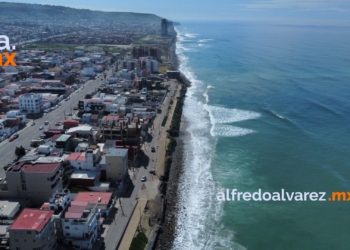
column 13, row 11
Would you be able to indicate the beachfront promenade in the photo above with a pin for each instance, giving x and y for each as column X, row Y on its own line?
column 139, row 192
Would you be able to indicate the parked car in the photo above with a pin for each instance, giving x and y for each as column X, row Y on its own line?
column 11, row 138
column 143, row 178
column 33, row 123
column 11, row 163
column 15, row 136
column 41, row 128
column 46, row 122
column 75, row 108
column 153, row 149
column 69, row 114
column 58, row 124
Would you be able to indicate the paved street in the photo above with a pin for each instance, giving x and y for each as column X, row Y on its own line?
column 123, row 215
column 7, row 149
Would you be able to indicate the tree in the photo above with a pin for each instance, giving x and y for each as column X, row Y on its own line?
column 17, row 152
column 22, row 151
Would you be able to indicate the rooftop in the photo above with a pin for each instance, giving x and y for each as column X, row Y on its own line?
column 94, row 197
column 63, row 138
column 32, row 219
column 35, row 168
column 117, row 152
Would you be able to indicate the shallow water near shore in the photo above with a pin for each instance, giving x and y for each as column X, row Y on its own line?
column 268, row 109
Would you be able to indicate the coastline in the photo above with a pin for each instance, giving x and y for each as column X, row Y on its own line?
column 167, row 232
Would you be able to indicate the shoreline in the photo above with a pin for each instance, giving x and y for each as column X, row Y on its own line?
column 167, row 233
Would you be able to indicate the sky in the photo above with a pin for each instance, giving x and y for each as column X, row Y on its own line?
column 331, row 12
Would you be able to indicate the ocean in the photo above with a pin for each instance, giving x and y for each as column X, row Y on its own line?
column 268, row 109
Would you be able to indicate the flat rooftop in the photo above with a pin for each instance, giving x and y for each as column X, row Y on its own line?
column 94, row 197
column 34, row 168
column 32, row 219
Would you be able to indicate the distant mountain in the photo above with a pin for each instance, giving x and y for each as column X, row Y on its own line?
column 13, row 11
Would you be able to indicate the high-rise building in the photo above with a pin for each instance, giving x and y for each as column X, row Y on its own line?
column 164, row 27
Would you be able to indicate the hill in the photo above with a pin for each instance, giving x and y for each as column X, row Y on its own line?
column 20, row 11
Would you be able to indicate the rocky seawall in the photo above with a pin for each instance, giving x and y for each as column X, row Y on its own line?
column 173, row 170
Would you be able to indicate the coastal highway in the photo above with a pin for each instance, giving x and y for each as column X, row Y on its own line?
column 123, row 215
column 28, row 133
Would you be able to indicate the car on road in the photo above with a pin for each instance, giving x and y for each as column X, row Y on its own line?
column 11, row 163
column 46, row 111
column 41, row 128
column 75, row 108
column 46, row 122
column 69, row 114
column 33, row 123
column 11, row 138
column 58, row 124
column 15, row 136
column 143, row 178
column 67, row 98
column 153, row 149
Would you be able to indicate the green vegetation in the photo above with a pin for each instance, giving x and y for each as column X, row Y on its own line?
column 49, row 46
column 164, row 120
column 51, row 12
column 139, row 242
column 20, row 151
column 172, row 144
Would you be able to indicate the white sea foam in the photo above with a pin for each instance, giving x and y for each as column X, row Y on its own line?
column 210, row 87
column 204, row 40
column 191, row 35
column 229, row 131
column 226, row 115
column 198, row 224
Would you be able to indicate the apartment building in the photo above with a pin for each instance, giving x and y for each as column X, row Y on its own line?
column 33, row 229
column 31, row 103
column 81, row 225
column 116, row 163
column 35, row 180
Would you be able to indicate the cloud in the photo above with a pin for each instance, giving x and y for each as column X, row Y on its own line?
column 302, row 5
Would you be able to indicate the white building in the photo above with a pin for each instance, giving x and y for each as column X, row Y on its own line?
column 81, row 225
column 31, row 103
column 89, row 71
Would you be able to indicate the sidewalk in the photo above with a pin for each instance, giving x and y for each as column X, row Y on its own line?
column 132, row 226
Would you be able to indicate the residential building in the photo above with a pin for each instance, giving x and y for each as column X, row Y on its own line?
column 116, row 164
column 31, row 103
column 33, row 229
column 81, row 225
column 36, row 180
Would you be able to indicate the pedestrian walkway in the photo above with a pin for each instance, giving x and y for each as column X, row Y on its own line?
column 132, row 226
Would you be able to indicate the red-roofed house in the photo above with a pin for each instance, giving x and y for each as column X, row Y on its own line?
column 103, row 200
column 33, row 229
column 82, row 160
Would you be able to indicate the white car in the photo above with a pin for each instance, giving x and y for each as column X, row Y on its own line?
column 143, row 178
column 41, row 128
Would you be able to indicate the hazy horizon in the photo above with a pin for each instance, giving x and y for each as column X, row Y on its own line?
column 312, row 12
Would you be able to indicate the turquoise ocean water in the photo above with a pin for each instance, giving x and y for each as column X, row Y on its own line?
column 268, row 109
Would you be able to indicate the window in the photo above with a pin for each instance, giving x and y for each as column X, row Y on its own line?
column 16, row 240
column 66, row 227
column 29, row 232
